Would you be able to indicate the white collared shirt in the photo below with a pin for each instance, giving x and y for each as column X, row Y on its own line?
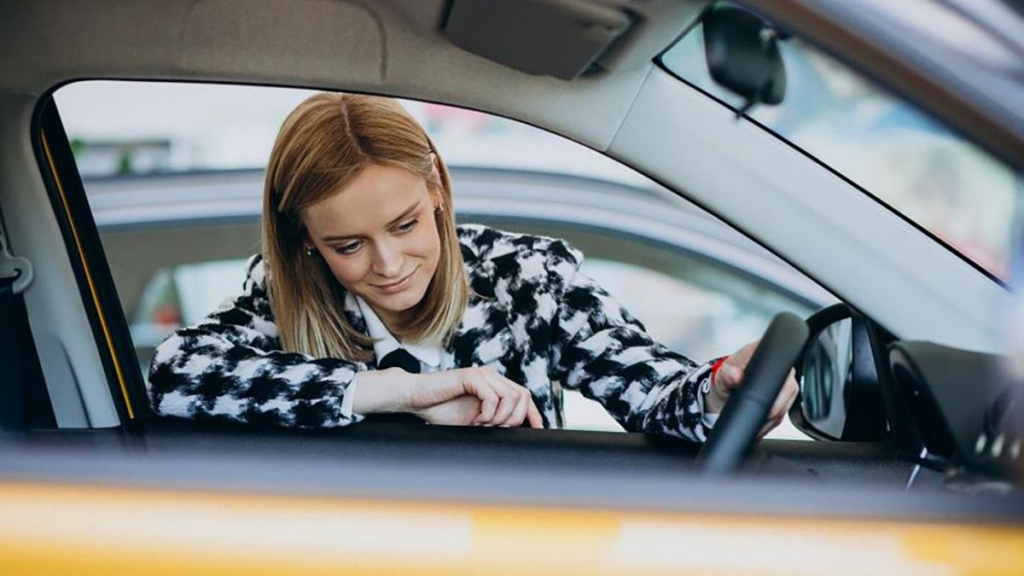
column 384, row 343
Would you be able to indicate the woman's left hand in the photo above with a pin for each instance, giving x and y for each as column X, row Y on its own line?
column 730, row 376
column 461, row 411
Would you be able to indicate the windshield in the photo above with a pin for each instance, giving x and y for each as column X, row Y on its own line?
column 952, row 189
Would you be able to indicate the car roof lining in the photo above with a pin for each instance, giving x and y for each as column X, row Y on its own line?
column 215, row 41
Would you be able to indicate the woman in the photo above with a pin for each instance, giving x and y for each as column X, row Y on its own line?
column 368, row 299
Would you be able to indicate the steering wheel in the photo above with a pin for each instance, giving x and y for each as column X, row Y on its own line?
column 737, row 426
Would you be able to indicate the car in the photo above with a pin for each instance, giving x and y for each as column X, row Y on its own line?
column 896, row 194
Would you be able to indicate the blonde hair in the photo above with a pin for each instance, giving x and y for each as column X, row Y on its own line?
column 322, row 146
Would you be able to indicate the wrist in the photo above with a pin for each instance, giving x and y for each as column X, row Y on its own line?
column 405, row 387
column 383, row 391
column 714, row 399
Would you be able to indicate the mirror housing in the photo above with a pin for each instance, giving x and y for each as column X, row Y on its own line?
column 841, row 396
column 743, row 55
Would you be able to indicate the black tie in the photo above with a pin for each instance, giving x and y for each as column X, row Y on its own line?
column 399, row 358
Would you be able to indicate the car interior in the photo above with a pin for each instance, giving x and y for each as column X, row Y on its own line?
column 901, row 387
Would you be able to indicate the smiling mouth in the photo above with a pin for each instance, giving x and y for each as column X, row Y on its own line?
column 397, row 286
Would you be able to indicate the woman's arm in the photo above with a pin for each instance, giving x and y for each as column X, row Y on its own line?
column 460, row 397
column 229, row 366
column 607, row 355
column 604, row 352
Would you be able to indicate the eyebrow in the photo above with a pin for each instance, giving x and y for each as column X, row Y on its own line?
column 400, row 217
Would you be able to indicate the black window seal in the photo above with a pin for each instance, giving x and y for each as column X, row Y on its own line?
column 88, row 261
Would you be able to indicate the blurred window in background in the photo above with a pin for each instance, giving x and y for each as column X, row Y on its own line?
column 945, row 185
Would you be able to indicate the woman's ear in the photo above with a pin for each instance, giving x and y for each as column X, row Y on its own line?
column 434, row 183
column 437, row 199
column 308, row 247
column 435, row 170
column 307, row 240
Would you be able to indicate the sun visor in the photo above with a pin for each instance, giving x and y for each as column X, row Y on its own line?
column 560, row 38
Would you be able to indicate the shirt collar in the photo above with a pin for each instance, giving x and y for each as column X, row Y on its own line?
column 384, row 342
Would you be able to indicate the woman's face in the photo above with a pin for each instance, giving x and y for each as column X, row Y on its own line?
column 379, row 237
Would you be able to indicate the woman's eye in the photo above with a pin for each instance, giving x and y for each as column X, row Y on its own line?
column 407, row 226
column 349, row 248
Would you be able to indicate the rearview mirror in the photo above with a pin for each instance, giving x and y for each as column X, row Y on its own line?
column 743, row 56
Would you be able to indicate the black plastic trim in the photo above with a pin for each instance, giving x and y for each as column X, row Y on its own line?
column 48, row 125
column 866, row 414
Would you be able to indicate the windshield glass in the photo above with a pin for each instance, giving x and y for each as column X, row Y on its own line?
column 945, row 185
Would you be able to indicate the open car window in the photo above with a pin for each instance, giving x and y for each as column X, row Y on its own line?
column 173, row 173
column 954, row 190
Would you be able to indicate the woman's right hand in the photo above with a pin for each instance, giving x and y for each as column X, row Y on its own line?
column 477, row 396
column 471, row 396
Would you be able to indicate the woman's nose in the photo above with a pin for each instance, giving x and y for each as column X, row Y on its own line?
column 387, row 260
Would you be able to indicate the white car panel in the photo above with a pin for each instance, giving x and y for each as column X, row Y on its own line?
column 865, row 253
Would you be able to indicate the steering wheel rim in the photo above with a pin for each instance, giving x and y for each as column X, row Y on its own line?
column 737, row 426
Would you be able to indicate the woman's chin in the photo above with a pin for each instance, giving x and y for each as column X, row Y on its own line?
column 398, row 302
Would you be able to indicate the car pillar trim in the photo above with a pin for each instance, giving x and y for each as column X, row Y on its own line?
column 88, row 276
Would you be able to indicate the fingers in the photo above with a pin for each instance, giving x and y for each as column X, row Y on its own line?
column 768, row 427
column 509, row 400
column 783, row 402
column 480, row 386
column 730, row 376
column 503, row 402
column 785, row 398
column 458, row 412
column 728, row 379
column 516, row 402
column 519, row 414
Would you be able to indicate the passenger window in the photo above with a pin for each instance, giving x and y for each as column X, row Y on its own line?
column 174, row 174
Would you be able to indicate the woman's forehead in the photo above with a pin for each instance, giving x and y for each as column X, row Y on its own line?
column 371, row 201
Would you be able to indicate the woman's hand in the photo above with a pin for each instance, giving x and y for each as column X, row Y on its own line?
column 462, row 411
column 449, row 397
column 730, row 376
column 463, row 397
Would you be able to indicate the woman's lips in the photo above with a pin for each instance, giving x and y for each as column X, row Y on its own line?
column 397, row 286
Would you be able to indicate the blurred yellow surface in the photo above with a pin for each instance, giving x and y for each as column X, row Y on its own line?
column 73, row 529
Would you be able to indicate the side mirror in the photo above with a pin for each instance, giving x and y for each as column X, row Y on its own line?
column 840, row 392
column 743, row 55
column 825, row 374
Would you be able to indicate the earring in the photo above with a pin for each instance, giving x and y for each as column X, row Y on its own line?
column 310, row 251
column 439, row 209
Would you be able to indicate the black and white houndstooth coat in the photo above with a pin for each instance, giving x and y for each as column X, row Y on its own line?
column 531, row 315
